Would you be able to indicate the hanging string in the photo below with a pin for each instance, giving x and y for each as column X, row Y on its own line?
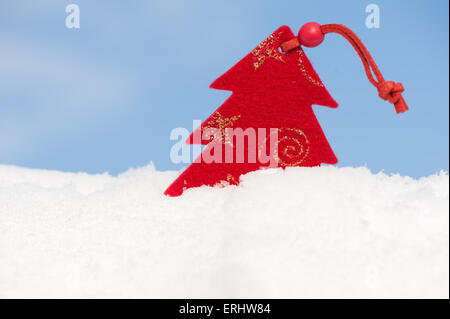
column 387, row 90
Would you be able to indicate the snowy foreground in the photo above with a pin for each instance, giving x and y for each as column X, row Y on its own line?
column 299, row 233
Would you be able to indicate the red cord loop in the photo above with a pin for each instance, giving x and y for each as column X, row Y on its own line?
column 387, row 90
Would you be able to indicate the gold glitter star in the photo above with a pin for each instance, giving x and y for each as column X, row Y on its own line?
column 266, row 50
column 221, row 123
column 231, row 180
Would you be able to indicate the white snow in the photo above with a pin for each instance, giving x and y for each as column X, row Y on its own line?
column 300, row 233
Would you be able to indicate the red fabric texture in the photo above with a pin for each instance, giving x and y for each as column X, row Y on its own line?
column 270, row 90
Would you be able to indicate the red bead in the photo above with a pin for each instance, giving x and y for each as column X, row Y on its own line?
column 310, row 35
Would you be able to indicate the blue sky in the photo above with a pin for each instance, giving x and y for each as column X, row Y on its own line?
column 104, row 98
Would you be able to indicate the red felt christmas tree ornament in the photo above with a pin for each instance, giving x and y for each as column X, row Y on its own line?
column 268, row 121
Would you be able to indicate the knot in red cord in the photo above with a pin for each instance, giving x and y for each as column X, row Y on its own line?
column 392, row 92
column 387, row 90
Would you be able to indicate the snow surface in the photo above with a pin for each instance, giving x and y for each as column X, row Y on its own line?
column 300, row 233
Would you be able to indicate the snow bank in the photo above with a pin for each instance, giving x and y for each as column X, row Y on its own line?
column 303, row 232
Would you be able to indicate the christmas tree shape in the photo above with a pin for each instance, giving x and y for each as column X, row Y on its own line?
column 272, row 92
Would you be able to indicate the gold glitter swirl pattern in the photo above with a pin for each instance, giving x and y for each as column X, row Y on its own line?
column 221, row 123
column 291, row 147
column 304, row 72
column 266, row 50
